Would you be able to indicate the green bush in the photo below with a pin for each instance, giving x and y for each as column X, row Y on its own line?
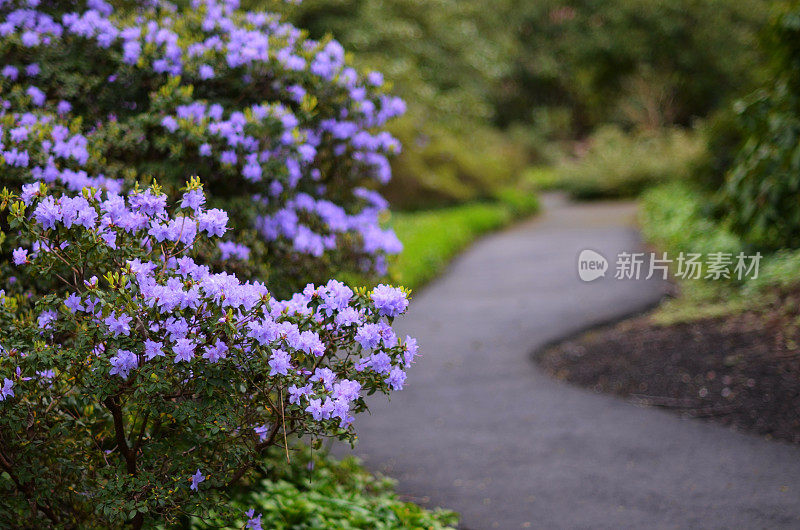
column 443, row 56
column 761, row 187
column 724, row 135
column 675, row 218
column 779, row 271
column 443, row 167
column 633, row 62
column 618, row 164
column 321, row 492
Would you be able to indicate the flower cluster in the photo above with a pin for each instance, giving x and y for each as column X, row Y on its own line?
column 266, row 117
column 175, row 366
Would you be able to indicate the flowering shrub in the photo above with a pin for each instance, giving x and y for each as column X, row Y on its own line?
column 150, row 383
column 145, row 365
column 279, row 128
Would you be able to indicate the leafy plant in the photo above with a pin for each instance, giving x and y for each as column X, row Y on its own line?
column 313, row 490
column 145, row 363
column 632, row 62
column 761, row 184
column 617, row 164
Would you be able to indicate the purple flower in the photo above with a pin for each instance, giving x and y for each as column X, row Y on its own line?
column 346, row 389
column 29, row 191
column 122, row 363
column 206, row 72
column 368, row 335
column 214, row 222
column 20, row 256
column 228, row 157
column 252, row 172
column 336, row 297
column 46, row 318
column 262, row 431
column 46, row 374
column 205, row 150
column 379, row 363
column 280, row 362
column 10, row 72
column 193, row 199
column 5, row 391
column 315, row 408
column 169, row 123
column 295, row 393
column 73, row 303
column 410, row 349
column 375, row 78
column 216, row 352
column 326, row 376
column 47, row 213
column 389, row 300
column 253, row 521
column 37, row 96
column 177, row 328
column 30, row 38
column 347, row 317
column 196, row 479
column 63, row 107
column 396, row 378
column 229, row 250
column 153, row 349
column 119, row 326
column 184, row 350
column 309, row 342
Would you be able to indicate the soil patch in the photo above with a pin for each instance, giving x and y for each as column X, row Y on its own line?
column 741, row 370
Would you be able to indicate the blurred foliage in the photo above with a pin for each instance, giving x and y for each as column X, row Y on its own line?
column 432, row 238
column 760, row 194
column 443, row 57
column 550, row 70
column 780, row 271
column 311, row 492
column 677, row 217
column 439, row 167
column 541, row 178
column 581, row 63
column 723, row 134
column 619, row 164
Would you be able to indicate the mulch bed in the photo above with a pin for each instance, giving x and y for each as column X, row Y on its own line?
column 741, row 370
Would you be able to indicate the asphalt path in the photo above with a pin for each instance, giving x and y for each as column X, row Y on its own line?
column 479, row 429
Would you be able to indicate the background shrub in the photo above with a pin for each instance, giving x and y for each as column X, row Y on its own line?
column 619, row 164
column 630, row 62
column 759, row 195
column 676, row 218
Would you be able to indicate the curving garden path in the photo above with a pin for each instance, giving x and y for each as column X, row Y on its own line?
column 481, row 430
